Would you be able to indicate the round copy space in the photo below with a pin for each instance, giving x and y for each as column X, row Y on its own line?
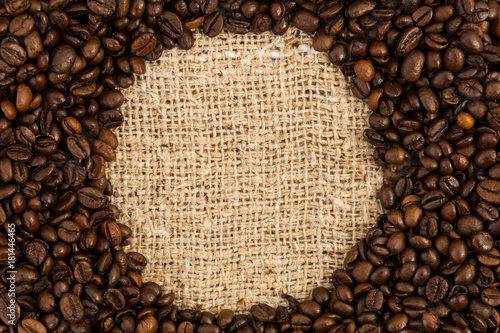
column 242, row 170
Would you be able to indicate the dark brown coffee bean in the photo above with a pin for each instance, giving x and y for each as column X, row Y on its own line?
column 78, row 145
column 263, row 312
column 62, row 58
column 436, row 288
column 306, row 20
column 71, row 308
column 485, row 210
column 470, row 89
column 437, row 129
column 224, row 318
column 489, row 190
column 136, row 261
column 213, row 24
column 170, row 24
column 149, row 324
column 413, row 65
column 430, row 321
column 310, row 308
column 409, row 40
column 458, row 251
column 467, row 225
column 360, row 88
column 112, row 232
column 28, row 325
column 374, row 300
column 428, row 99
column 13, row 54
column 359, row 8
column 19, row 152
column 16, row 7
column 238, row 26
column 143, row 44
column 471, row 42
column 91, row 197
column 397, row 323
column 433, row 199
column 465, row 275
column 490, row 296
column 83, row 271
column 102, row 7
column 300, row 321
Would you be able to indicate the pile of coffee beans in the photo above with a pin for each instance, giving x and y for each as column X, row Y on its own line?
column 429, row 72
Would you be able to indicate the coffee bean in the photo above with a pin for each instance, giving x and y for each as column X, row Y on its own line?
column 436, row 288
column 149, row 325
column 71, row 308
column 413, row 65
column 299, row 321
column 91, row 197
column 170, row 24
column 213, row 24
column 359, row 8
column 489, row 190
column 430, row 321
column 306, row 20
column 469, row 224
column 102, row 7
column 465, row 274
column 374, row 300
column 310, row 308
column 471, row 42
column 15, row 7
column 62, row 58
column 263, row 312
column 433, row 199
column 13, row 54
column 31, row 325
column 409, row 40
column 470, row 89
column 143, row 44
column 397, row 323
column 136, row 261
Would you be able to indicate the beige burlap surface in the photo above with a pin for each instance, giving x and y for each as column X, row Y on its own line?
column 242, row 170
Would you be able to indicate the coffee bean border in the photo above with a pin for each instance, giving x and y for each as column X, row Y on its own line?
column 428, row 70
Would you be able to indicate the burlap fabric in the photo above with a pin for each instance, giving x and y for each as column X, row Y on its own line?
column 242, row 170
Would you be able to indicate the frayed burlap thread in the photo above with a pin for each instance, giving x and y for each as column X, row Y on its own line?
column 242, row 170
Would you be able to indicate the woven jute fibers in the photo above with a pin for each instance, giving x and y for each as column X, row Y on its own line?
column 242, row 170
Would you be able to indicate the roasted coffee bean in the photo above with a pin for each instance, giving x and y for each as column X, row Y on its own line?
column 436, row 288
column 374, row 300
column 409, row 40
column 413, row 65
column 13, row 54
column 170, row 24
column 263, row 312
column 397, row 323
column 213, row 24
column 359, row 8
column 149, row 324
column 62, row 58
column 31, row 325
column 489, row 190
column 71, row 308
column 91, row 197
column 136, row 261
column 143, row 44
column 78, row 145
column 306, row 20
column 238, row 26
